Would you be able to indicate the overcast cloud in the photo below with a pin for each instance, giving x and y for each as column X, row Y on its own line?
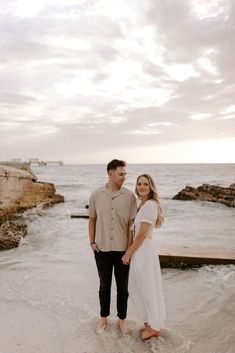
column 142, row 80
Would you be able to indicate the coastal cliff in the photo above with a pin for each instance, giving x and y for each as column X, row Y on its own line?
column 20, row 190
column 210, row 193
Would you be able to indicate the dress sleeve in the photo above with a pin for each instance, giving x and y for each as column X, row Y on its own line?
column 149, row 213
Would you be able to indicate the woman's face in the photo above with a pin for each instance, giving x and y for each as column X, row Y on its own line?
column 143, row 187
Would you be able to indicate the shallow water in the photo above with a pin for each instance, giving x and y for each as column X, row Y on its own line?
column 49, row 285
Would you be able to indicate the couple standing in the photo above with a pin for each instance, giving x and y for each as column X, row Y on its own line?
column 121, row 239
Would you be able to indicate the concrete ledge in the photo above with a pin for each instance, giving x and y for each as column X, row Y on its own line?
column 79, row 215
column 184, row 257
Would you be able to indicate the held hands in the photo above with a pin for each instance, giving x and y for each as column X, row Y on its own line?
column 126, row 259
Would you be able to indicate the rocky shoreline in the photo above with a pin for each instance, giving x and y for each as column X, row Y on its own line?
column 19, row 191
column 207, row 192
column 11, row 233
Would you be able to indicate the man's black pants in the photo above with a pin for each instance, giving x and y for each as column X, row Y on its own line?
column 106, row 262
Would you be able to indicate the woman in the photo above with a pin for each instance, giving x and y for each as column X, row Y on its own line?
column 145, row 284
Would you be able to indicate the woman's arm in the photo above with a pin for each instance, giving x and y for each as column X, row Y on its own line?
column 130, row 234
column 144, row 228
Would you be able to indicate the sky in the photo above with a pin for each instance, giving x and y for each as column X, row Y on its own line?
column 147, row 81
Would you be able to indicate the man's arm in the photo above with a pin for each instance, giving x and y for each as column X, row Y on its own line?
column 92, row 225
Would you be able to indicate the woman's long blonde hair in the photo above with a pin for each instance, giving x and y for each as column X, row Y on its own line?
column 153, row 195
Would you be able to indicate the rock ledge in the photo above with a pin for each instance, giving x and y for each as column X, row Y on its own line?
column 207, row 192
column 11, row 233
column 20, row 190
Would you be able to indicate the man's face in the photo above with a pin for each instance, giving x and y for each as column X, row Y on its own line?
column 117, row 176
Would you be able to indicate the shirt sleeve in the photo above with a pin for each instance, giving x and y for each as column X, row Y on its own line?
column 149, row 213
column 133, row 210
column 92, row 210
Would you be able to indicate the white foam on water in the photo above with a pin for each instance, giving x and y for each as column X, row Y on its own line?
column 49, row 285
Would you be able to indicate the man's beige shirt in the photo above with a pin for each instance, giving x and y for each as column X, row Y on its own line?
column 113, row 213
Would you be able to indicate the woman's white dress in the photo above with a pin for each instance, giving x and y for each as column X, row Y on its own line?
column 145, row 281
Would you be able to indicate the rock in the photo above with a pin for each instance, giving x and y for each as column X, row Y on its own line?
column 210, row 193
column 232, row 186
column 19, row 191
column 11, row 233
column 21, row 166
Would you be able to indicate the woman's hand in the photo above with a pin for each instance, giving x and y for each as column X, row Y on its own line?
column 126, row 259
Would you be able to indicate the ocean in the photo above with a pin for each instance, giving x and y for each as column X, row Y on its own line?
column 49, row 285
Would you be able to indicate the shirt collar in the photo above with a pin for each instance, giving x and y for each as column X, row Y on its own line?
column 121, row 191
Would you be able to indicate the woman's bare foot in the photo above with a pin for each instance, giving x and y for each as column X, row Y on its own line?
column 148, row 333
column 146, row 326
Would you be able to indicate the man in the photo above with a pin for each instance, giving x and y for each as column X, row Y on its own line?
column 112, row 209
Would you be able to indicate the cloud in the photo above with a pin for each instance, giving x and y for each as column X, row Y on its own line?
column 97, row 75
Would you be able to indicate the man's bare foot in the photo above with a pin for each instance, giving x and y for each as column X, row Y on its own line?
column 123, row 327
column 102, row 325
column 148, row 333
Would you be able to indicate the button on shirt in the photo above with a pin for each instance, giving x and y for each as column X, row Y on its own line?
column 113, row 212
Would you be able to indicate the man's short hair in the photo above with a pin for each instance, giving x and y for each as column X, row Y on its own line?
column 115, row 163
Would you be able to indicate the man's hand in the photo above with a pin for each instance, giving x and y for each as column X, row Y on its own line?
column 94, row 247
